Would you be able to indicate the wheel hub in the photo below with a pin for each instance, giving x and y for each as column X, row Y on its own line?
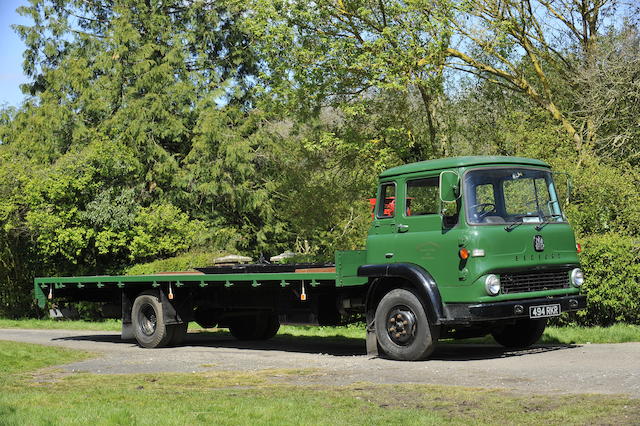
column 401, row 325
column 148, row 320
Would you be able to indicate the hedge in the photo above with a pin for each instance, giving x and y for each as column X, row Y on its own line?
column 611, row 263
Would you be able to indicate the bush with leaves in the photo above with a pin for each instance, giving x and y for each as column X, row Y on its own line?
column 611, row 264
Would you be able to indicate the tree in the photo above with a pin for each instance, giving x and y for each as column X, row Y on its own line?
column 609, row 95
column 533, row 47
column 328, row 53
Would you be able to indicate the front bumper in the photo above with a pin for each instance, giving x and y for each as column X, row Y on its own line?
column 478, row 312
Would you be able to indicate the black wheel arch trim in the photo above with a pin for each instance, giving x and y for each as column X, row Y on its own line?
column 415, row 274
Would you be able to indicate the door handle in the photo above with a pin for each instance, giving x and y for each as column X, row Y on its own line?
column 388, row 255
column 402, row 228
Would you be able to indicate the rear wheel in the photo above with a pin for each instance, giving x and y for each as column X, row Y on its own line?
column 205, row 317
column 402, row 327
column 254, row 327
column 273, row 325
column 521, row 334
column 148, row 322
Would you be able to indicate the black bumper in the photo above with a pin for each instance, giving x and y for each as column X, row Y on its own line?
column 462, row 312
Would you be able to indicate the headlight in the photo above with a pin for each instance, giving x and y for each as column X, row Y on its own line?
column 577, row 277
column 492, row 284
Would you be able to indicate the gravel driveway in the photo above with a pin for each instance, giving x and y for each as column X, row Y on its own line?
column 609, row 369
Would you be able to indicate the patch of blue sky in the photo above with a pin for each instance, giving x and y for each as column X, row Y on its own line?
column 11, row 49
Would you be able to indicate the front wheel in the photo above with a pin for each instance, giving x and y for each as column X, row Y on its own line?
column 521, row 334
column 402, row 327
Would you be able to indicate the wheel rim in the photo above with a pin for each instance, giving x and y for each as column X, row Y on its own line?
column 147, row 320
column 401, row 325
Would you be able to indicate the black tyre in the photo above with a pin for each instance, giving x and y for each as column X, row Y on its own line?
column 178, row 333
column 521, row 334
column 246, row 327
column 273, row 325
column 148, row 323
column 402, row 327
column 254, row 327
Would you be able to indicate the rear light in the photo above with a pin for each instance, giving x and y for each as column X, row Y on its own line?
column 578, row 248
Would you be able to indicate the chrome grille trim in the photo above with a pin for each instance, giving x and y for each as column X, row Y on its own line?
column 524, row 282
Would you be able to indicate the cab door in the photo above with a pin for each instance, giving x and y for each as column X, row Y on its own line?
column 421, row 235
column 383, row 228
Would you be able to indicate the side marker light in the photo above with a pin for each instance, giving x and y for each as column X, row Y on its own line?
column 477, row 253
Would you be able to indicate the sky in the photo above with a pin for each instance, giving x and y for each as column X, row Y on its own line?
column 11, row 48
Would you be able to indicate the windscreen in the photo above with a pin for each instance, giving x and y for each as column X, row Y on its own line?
column 511, row 195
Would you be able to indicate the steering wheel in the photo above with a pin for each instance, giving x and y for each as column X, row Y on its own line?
column 483, row 209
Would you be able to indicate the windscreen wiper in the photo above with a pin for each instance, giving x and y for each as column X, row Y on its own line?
column 510, row 227
column 547, row 221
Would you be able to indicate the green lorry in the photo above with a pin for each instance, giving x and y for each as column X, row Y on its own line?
column 458, row 247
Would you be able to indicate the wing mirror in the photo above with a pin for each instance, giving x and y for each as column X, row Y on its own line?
column 449, row 186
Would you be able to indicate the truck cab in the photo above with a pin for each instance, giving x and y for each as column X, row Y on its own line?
column 479, row 243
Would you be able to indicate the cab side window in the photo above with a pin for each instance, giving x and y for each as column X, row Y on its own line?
column 387, row 202
column 422, row 197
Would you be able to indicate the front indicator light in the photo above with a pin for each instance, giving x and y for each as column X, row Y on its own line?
column 463, row 253
column 577, row 277
column 492, row 285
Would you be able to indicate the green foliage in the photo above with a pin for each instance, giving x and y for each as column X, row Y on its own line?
column 606, row 198
column 183, row 262
column 344, row 53
column 162, row 231
column 611, row 263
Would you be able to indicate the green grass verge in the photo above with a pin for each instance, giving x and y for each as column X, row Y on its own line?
column 50, row 324
column 20, row 357
column 617, row 333
column 221, row 397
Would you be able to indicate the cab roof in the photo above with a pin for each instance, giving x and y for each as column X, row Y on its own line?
column 455, row 162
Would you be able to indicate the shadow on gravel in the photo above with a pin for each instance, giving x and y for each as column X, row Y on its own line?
column 333, row 345
column 469, row 352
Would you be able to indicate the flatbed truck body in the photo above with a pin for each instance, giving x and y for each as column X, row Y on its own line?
column 458, row 247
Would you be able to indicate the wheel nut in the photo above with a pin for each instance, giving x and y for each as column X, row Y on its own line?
column 397, row 334
column 392, row 329
column 392, row 320
column 405, row 322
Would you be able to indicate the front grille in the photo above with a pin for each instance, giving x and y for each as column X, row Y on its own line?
column 522, row 282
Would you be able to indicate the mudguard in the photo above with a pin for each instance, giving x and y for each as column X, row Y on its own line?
column 418, row 276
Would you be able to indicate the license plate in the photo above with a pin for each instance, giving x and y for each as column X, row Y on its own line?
column 544, row 311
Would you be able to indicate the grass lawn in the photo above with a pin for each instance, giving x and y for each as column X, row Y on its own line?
column 618, row 333
column 45, row 396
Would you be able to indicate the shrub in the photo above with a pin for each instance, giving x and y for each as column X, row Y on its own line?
column 184, row 262
column 611, row 263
